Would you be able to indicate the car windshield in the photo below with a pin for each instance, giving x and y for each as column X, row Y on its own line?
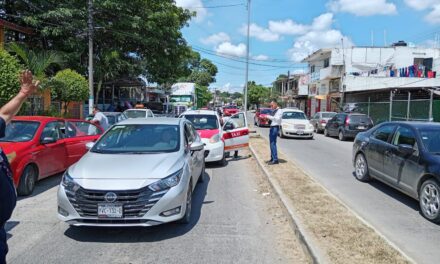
column 328, row 115
column 266, row 111
column 180, row 99
column 135, row 114
column 139, row 139
column 294, row 115
column 431, row 140
column 20, row 131
column 203, row 122
column 111, row 119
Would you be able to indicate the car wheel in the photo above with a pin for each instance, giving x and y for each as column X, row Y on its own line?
column 255, row 122
column 187, row 216
column 202, row 175
column 361, row 168
column 27, row 181
column 223, row 162
column 341, row 136
column 326, row 132
column 316, row 130
column 280, row 133
column 429, row 200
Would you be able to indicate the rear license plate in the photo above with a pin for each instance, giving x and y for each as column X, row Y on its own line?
column 361, row 127
column 110, row 210
column 300, row 132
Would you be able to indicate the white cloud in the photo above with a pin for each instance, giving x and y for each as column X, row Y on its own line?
column 194, row 5
column 433, row 16
column 260, row 33
column 261, row 57
column 227, row 48
column 216, row 39
column 322, row 22
column 364, row 7
column 287, row 27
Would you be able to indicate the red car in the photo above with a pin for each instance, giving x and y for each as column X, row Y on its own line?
column 260, row 117
column 39, row 146
column 230, row 110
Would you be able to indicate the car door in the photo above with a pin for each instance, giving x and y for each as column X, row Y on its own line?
column 236, row 133
column 404, row 169
column 199, row 155
column 78, row 134
column 333, row 126
column 315, row 119
column 378, row 145
column 51, row 157
column 193, row 159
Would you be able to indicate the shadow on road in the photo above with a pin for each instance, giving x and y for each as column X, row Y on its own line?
column 395, row 194
column 9, row 226
column 43, row 185
column 144, row 234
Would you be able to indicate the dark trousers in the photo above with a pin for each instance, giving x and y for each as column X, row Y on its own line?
column 273, row 134
column 8, row 200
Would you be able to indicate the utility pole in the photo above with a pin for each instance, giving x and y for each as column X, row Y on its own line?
column 90, row 27
column 247, row 57
column 288, row 87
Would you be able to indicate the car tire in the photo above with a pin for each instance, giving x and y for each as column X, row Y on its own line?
column 188, row 206
column 28, row 180
column 341, row 136
column 223, row 161
column 361, row 168
column 429, row 200
column 255, row 122
column 316, row 130
column 202, row 175
column 326, row 132
column 280, row 133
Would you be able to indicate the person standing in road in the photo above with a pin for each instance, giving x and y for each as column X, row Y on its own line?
column 275, row 117
column 8, row 197
column 99, row 118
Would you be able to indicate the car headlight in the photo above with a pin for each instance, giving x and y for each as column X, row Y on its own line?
column 68, row 182
column 215, row 138
column 310, row 126
column 167, row 182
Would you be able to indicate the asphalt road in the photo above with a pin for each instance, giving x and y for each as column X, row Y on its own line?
column 395, row 215
column 235, row 220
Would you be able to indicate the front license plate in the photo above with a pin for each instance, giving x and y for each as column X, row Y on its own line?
column 300, row 132
column 361, row 127
column 110, row 210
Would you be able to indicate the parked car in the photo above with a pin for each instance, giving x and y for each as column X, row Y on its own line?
column 404, row 155
column 347, row 125
column 38, row 147
column 230, row 110
column 163, row 161
column 218, row 139
column 320, row 119
column 260, row 117
column 138, row 113
column 114, row 117
column 294, row 123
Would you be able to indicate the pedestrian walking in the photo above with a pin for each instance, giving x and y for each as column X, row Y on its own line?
column 99, row 118
column 275, row 117
column 8, row 197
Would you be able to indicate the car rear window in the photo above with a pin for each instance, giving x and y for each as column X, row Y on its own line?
column 266, row 111
column 359, row 119
column 328, row 115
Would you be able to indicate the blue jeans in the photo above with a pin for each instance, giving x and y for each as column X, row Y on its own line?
column 273, row 134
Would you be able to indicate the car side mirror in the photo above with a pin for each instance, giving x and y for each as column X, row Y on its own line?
column 228, row 126
column 405, row 149
column 197, row 146
column 89, row 145
column 48, row 140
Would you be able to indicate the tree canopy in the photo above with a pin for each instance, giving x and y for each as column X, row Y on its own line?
column 9, row 75
column 257, row 94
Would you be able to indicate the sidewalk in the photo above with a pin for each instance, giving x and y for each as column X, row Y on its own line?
column 333, row 233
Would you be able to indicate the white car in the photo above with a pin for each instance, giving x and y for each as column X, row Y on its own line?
column 294, row 123
column 218, row 139
column 141, row 172
column 138, row 113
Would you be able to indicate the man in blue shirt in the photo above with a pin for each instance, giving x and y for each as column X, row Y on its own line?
column 8, row 197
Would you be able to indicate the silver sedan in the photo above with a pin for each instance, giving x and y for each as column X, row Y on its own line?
column 141, row 172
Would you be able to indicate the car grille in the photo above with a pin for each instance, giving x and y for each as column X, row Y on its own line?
column 135, row 203
column 300, row 126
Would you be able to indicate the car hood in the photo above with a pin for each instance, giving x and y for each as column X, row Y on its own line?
column 208, row 133
column 295, row 121
column 9, row 147
column 96, row 166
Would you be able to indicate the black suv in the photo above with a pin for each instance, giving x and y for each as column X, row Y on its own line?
column 347, row 125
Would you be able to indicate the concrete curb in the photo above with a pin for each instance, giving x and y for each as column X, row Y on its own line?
column 315, row 253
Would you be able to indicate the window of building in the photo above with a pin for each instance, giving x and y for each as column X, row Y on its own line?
column 312, row 68
column 326, row 63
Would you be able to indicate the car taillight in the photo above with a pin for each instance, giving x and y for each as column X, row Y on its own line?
column 347, row 121
column 323, row 121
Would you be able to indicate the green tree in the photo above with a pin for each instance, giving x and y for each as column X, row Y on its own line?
column 257, row 94
column 204, row 96
column 9, row 75
column 145, row 34
column 69, row 86
column 201, row 71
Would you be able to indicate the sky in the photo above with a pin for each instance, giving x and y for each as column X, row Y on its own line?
column 283, row 32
